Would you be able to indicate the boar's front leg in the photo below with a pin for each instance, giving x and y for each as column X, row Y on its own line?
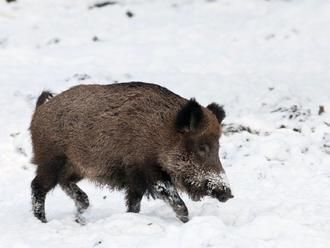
column 166, row 191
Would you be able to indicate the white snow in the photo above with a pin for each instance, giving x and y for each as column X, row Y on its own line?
column 268, row 62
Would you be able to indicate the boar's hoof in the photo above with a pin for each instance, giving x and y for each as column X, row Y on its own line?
column 42, row 218
column 182, row 212
column 80, row 220
column 184, row 219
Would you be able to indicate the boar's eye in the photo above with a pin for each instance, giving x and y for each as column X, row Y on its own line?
column 203, row 149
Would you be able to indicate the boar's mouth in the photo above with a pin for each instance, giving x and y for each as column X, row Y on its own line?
column 195, row 190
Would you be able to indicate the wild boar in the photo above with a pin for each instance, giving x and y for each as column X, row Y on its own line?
column 137, row 137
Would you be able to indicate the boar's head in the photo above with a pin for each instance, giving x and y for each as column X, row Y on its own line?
column 198, row 169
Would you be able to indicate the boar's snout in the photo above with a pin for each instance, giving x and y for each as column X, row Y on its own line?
column 222, row 195
column 218, row 187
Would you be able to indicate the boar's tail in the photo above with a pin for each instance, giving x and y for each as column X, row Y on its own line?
column 45, row 95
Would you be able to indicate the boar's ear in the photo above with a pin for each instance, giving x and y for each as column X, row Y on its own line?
column 189, row 117
column 218, row 111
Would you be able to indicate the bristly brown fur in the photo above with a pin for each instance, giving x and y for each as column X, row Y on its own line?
column 125, row 136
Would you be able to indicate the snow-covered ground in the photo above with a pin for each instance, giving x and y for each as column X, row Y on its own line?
column 268, row 62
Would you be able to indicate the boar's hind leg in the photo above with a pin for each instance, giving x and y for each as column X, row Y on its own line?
column 166, row 191
column 135, row 189
column 46, row 179
column 80, row 198
column 133, row 201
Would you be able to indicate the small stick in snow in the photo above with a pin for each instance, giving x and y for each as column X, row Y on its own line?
column 129, row 14
column 321, row 109
column 102, row 4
